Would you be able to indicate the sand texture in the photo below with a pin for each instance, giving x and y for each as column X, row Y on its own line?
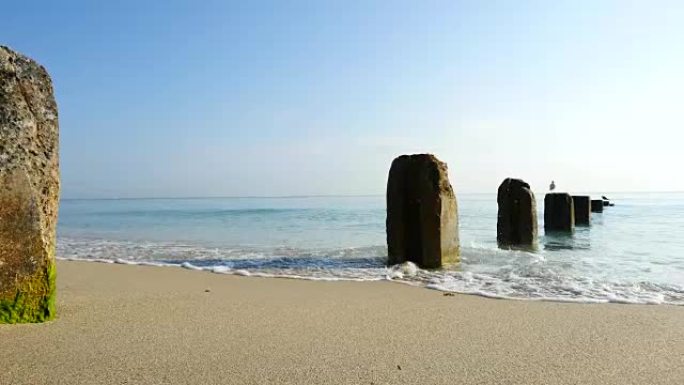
column 119, row 324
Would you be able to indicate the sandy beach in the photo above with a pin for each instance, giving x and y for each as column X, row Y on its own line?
column 121, row 324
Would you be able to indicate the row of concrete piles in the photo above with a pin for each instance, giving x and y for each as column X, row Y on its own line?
column 517, row 217
column 422, row 214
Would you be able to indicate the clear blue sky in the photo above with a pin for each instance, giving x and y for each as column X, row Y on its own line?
column 215, row 98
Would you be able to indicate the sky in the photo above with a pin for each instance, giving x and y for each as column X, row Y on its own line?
column 232, row 98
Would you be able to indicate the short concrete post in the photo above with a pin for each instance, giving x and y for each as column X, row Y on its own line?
column 559, row 212
column 517, row 218
column 422, row 215
column 582, row 205
column 596, row 206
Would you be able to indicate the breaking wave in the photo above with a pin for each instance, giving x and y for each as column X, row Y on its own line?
column 483, row 271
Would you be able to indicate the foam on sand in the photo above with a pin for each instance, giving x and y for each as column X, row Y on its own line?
column 483, row 271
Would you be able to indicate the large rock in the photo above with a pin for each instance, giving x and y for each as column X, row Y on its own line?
column 517, row 219
column 582, row 204
column 29, row 193
column 559, row 212
column 422, row 215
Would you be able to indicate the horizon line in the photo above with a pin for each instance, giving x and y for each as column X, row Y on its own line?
column 318, row 196
column 226, row 197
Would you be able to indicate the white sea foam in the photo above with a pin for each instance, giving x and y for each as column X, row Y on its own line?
column 632, row 253
column 484, row 271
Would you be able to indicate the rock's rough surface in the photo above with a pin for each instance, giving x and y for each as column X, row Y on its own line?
column 29, row 189
column 582, row 205
column 517, row 219
column 422, row 214
column 559, row 212
column 597, row 206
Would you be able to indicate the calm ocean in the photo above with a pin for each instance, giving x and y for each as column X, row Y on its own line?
column 632, row 253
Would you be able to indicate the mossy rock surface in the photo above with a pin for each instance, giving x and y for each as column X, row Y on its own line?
column 33, row 302
column 29, row 189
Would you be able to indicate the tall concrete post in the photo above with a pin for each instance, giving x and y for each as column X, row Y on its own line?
column 517, row 218
column 422, row 214
column 29, row 190
column 582, row 205
column 559, row 212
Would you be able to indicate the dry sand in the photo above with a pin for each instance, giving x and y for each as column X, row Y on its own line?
column 121, row 324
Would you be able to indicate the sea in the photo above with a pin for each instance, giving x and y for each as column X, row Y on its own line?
column 631, row 253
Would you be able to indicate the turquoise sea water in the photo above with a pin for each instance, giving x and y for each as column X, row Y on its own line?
column 632, row 253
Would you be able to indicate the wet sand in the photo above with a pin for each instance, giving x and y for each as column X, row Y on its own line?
column 120, row 324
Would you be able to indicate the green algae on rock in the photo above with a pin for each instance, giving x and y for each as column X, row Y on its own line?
column 29, row 189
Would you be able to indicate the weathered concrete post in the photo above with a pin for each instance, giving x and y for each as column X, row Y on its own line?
column 29, row 190
column 422, row 214
column 596, row 206
column 582, row 205
column 517, row 219
column 559, row 212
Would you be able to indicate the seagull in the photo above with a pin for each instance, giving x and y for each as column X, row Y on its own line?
column 552, row 186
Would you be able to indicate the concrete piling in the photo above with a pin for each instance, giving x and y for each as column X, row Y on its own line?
column 559, row 212
column 582, row 204
column 596, row 206
column 517, row 216
column 29, row 196
column 422, row 214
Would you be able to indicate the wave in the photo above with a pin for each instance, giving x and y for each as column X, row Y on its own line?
column 484, row 270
